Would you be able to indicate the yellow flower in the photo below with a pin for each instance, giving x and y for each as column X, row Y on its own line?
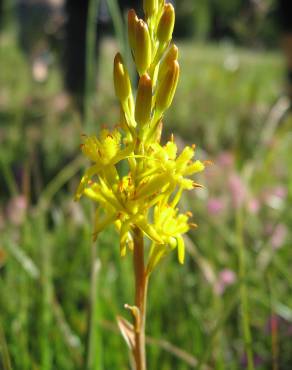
column 102, row 150
column 166, row 171
column 105, row 152
column 119, row 206
column 170, row 225
column 135, row 181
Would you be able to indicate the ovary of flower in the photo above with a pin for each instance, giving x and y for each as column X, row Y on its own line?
column 166, row 171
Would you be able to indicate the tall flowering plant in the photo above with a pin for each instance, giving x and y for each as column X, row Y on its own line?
column 141, row 200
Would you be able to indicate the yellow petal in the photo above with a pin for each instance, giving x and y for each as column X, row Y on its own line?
column 180, row 249
column 195, row 167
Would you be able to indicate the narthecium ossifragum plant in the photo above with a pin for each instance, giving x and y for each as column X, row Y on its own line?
column 143, row 203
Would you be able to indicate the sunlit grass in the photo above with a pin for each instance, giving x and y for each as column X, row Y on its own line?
column 224, row 99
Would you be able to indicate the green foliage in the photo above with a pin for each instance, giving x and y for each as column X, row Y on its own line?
column 243, row 22
column 222, row 103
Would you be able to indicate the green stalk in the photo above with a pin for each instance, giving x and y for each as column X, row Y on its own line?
column 228, row 308
column 93, row 346
column 117, row 19
column 90, row 63
column 4, row 353
column 9, row 178
column 245, row 319
column 46, row 276
column 274, row 326
column 141, row 284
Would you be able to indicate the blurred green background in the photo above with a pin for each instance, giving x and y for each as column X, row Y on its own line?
column 230, row 103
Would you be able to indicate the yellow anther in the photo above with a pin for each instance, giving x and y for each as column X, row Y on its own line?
column 166, row 24
column 121, row 79
column 167, row 87
column 143, row 100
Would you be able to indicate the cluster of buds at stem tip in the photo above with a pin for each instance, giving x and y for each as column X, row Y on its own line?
column 150, row 7
column 155, row 61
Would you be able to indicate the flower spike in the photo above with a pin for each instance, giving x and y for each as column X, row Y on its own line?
column 145, row 199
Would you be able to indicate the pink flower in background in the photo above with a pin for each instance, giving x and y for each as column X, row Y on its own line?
column 226, row 278
column 257, row 360
column 289, row 330
column 215, row 206
column 237, row 189
column 40, row 70
column 253, row 205
column 61, row 102
column 280, row 191
column 275, row 196
column 225, row 160
column 278, row 236
column 16, row 209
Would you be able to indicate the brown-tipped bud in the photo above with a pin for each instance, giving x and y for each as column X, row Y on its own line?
column 169, row 58
column 132, row 22
column 166, row 88
column 150, row 7
column 121, row 79
column 142, row 50
column 143, row 100
column 166, row 24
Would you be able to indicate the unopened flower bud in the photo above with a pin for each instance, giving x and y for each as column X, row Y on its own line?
column 166, row 24
column 150, row 7
column 169, row 58
column 132, row 23
column 142, row 49
column 167, row 87
column 121, row 79
column 143, row 100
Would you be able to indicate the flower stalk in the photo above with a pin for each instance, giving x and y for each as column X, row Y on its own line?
column 143, row 203
column 141, row 285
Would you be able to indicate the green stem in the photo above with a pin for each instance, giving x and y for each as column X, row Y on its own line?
column 93, row 351
column 117, row 19
column 46, row 281
column 8, row 175
column 141, row 284
column 90, row 72
column 4, row 353
column 274, row 325
column 243, row 291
